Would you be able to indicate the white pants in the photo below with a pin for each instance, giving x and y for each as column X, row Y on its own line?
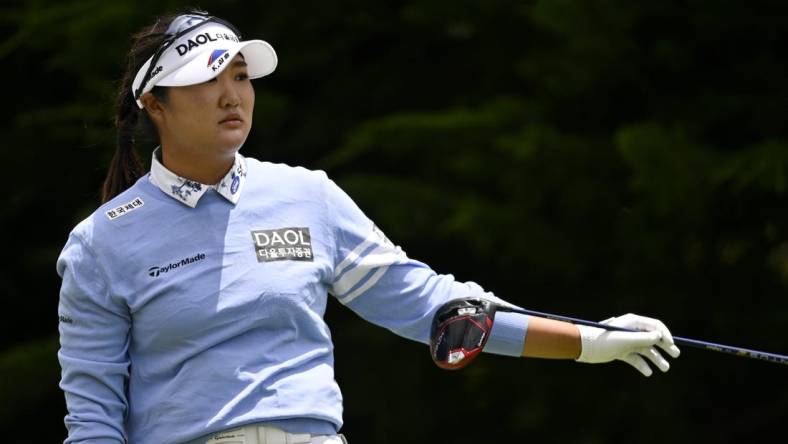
column 257, row 434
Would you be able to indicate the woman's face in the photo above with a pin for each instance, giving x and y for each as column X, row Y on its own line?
column 209, row 119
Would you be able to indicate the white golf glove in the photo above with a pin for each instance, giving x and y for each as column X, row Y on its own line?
column 599, row 345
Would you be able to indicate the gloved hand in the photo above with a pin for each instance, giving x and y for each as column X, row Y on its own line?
column 599, row 345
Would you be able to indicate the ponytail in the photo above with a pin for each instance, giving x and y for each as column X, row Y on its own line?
column 126, row 167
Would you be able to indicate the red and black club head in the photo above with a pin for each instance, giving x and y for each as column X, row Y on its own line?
column 460, row 330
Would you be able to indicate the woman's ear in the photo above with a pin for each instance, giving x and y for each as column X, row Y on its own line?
column 153, row 106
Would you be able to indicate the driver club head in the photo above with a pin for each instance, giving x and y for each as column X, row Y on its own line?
column 460, row 329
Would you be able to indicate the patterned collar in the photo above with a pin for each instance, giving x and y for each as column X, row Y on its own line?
column 188, row 191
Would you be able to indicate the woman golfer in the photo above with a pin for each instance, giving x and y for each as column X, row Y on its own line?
column 192, row 301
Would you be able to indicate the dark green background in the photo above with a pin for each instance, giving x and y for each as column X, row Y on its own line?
column 589, row 158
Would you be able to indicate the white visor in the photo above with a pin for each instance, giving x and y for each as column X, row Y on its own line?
column 203, row 54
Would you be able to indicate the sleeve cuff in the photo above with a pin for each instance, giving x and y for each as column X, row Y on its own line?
column 508, row 334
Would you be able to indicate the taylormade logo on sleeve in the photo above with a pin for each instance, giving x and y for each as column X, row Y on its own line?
column 158, row 270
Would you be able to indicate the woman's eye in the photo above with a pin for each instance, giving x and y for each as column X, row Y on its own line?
column 242, row 76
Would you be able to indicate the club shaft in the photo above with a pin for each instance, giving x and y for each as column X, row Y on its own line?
column 738, row 351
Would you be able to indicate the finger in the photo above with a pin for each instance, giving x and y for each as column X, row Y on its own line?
column 644, row 323
column 672, row 350
column 635, row 360
column 667, row 339
column 656, row 358
column 666, row 342
column 635, row 340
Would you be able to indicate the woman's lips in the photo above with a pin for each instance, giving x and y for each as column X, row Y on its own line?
column 232, row 120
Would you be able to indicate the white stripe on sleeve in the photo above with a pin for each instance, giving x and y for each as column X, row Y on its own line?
column 360, row 290
column 353, row 255
column 382, row 256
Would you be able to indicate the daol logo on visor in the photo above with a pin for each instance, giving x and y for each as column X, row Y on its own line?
column 202, row 39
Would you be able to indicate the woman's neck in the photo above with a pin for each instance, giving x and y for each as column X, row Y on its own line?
column 205, row 169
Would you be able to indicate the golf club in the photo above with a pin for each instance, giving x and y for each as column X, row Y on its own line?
column 461, row 327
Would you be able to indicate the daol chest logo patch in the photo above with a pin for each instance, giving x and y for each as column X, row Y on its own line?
column 283, row 244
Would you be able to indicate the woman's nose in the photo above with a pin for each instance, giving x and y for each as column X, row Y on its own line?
column 230, row 95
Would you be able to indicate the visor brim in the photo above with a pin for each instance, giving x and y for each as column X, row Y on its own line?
column 259, row 56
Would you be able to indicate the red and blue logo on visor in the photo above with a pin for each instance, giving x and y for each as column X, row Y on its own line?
column 215, row 55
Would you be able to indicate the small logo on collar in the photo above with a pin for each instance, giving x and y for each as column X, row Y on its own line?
column 235, row 184
column 185, row 189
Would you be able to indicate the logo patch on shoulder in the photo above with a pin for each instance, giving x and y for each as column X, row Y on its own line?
column 125, row 208
column 283, row 244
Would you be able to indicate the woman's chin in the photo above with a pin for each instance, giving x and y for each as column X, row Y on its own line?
column 232, row 142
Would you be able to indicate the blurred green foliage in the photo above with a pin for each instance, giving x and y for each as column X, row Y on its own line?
column 587, row 158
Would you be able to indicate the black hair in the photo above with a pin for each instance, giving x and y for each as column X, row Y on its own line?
column 126, row 167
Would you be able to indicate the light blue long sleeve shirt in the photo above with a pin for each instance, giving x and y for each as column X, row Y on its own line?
column 186, row 309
